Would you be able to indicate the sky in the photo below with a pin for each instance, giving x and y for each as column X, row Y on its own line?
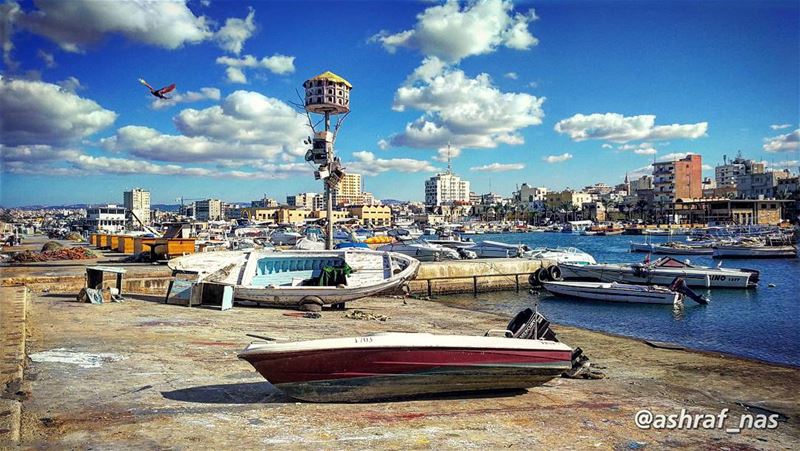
column 549, row 93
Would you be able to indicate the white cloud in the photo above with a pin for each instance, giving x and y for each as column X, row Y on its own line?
column 617, row 128
column 233, row 35
column 48, row 58
column 190, row 96
column 36, row 112
column 638, row 149
column 498, row 167
column 674, row 156
column 607, row 146
column 779, row 126
column 75, row 24
column 277, row 64
column 707, row 167
column 9, row 14
column 511, row 75
column 367, row 163
column 467, row 112
column 557, row 158
column 452, row 33
column 788, row 142
column 447, row 153
column 639, row 172
column 70, row 84
column 247, row 125
column 785, row 164
column 49, row 161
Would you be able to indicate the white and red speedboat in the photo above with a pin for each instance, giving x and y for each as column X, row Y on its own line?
column 393, row 365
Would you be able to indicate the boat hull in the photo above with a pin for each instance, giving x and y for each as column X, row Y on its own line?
column 755, row 252
column 661, row 276
column 607, row 292
column 351, row 375
column 667, row 250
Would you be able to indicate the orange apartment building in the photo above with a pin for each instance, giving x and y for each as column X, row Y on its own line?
column 678, row 179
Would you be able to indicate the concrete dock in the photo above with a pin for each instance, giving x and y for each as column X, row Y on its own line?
column 142, row 374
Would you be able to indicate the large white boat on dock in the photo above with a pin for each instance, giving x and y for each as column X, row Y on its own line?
column 754, row 251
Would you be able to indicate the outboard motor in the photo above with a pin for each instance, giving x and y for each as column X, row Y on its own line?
column 530, row 324
column 680, row 286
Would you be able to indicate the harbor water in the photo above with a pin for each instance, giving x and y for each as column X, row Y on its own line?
column 756, row 323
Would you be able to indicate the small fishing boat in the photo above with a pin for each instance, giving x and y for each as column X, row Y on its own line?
column 309, row 279
column 284, row 237
column 614, row 292
column 494, row 249
column 421, row 250
column 562, row 255
column 662, row 272
column 754, row 251
column 397, row 365
column 672, row 248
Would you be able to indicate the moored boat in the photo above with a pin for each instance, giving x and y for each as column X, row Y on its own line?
column 495, row 249
column 614, row 292
column 562, row 255
column 672, row 248
column 663, row 272
column 754, row 251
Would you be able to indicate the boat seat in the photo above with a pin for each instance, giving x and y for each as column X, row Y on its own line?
column 291, row 271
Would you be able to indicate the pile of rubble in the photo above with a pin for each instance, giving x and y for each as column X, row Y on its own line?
column 64, row 253
column 360, row 314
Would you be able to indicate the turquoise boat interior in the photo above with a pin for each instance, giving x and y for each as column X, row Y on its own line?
column 291, row 271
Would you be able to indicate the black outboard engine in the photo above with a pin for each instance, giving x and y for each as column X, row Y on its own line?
column 530, row 324
column 680, row 286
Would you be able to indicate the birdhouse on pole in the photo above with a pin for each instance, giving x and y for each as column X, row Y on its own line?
column 327, row 93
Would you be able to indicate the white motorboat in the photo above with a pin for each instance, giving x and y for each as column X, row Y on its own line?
column 662, row 272
column 495, row 249
column 310, row 243
column 421, row 250
column 754, row 251
column 284, row 237
column 672, row 248
column 561, row 255
column 301, row 278
column 393, row 365
column 614, row 292
column 405, row 234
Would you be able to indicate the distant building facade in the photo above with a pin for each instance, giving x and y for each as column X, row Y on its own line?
column 760, row 185
column 108, row 218
column 445, row 189
column 348, row 190
column 303, row 200
column 137, row 201
column 208, row 210
column 678, row 179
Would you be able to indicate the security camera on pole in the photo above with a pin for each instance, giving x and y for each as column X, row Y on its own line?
column 327, row 94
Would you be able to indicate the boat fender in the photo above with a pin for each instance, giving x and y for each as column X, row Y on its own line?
column 533, row 281
column 542, row 275
column 555, row 273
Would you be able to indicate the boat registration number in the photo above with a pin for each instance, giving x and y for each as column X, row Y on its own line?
column 363, row 339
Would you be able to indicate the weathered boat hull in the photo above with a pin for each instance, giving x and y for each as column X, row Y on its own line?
column 607, row 292
column 349, row 375
column 660, row 276
column 755, row 252
column 668, row 250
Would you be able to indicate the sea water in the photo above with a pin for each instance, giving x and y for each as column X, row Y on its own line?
column 759, row 323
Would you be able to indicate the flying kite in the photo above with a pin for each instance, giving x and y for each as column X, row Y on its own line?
column 158, row 92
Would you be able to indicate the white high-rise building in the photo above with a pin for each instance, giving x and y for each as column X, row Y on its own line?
column 446, row 189
column 208, row 210
column 137, row 201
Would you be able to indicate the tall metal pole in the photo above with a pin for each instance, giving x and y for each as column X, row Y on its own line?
column 329, row 192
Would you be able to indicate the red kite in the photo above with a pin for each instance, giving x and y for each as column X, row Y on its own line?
column 158, row 92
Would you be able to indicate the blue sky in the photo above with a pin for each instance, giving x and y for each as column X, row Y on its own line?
column 551, row 93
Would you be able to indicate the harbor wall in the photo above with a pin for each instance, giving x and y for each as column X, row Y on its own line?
column 468, row 276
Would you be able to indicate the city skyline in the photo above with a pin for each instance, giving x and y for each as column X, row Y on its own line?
column 569, row 95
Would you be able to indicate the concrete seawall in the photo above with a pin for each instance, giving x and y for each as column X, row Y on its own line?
column 467, row 276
